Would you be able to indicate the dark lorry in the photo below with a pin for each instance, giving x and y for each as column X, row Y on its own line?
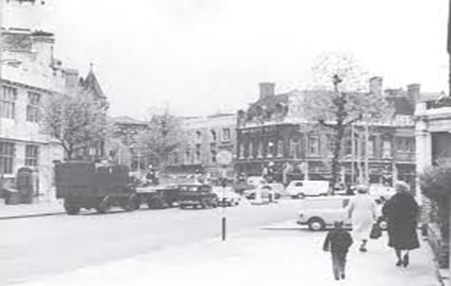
column 91, row 186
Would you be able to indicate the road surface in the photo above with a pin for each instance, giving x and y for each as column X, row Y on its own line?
column 34, row 247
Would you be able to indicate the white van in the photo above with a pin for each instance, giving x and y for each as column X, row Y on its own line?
column 321, row 212
column 300, row 189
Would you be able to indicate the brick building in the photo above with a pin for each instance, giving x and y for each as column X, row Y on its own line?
column 271, row 130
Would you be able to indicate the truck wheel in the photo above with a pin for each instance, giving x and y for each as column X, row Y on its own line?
column 133, row 203
column 71, row 210
column 104, row 206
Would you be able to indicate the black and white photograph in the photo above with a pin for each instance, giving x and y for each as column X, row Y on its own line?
column 225, row 142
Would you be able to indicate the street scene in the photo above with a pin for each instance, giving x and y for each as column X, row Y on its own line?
column 193, row 142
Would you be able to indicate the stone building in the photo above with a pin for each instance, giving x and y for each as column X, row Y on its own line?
column 30, row 76
column 208, row 136
column 272, row 130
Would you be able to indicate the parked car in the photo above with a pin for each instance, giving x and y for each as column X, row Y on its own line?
column 301, row 189
column 279, row 189
column 256, row 181
column 319, row 213
column 262, row 194
column 226, row 196
column 197, row 195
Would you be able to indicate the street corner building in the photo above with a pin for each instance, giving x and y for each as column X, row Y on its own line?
column 273, row 131
column 30, row 76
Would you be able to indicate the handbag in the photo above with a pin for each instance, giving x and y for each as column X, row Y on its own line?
column 376, row 231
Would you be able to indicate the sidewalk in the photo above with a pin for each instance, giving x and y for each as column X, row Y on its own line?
column 264, row 257
column 30, row 210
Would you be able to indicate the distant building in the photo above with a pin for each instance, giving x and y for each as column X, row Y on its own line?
column 126, row 130
column 272, row 131
column 208, row 136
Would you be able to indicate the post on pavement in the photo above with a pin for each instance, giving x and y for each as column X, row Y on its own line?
column 224, row 157
column 224, row 217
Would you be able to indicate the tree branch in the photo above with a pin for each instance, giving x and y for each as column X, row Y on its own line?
column 353, row 120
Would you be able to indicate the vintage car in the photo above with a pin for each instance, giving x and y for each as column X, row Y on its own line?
column 226, row 196
column 197, row 195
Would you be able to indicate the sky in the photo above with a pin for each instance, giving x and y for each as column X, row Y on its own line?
column 200, row 57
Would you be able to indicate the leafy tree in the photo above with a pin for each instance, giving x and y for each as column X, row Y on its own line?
column 76, row 121
column 164, row 135
column 338, row 99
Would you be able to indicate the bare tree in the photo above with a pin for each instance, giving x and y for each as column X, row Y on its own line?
column 340, row 99
column 76, row 120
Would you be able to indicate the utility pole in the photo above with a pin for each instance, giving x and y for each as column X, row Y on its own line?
column 367, row 153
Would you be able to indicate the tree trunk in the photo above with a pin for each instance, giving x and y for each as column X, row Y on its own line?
column 337, row 155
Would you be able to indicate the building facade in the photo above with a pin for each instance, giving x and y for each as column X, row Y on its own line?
column 208, row 136
column 272, row 132
column 31, row 76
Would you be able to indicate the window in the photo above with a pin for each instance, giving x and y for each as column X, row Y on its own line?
column 259, row 149
column 33, row 106
column 213, row 156
column 372, row 145
column 213, row 136
column 406, row 145
column 251, row 149
column 31, row 155
column 6, row 158
column 294, row 148
column 270, row 148
column 226, row 134
column 386, row 149
column 313, row 145
column 7, row 102
column 187, row 157
column 198, row 136
column 197, row 156
column 279, row 148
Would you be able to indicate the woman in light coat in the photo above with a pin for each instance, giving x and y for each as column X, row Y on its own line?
column 362, row 211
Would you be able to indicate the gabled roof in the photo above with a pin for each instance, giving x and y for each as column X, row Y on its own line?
column 91, row 83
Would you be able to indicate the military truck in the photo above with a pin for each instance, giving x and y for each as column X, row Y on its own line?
column 94, row 186
column 196, row 195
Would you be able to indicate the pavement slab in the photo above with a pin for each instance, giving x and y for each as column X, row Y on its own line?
column 263, row 257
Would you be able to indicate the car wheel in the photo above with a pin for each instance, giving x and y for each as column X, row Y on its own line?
column 300, row 196
column 316, row 224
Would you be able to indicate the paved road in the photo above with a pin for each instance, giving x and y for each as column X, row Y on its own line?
column 41, row 246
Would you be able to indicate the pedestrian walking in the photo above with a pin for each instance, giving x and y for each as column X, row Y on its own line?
column 362, row 211
column 401, row 213
column 338, row 242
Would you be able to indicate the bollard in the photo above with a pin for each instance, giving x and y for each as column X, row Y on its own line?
column 223, row 228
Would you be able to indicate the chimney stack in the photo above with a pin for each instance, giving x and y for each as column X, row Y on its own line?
column 267, row 89
column 413, row 92
column 71, row 79
column 376, row 85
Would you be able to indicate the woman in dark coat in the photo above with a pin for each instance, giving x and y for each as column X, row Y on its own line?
column 401, row 213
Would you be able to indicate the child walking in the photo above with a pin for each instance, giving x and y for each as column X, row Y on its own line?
column 338, row 242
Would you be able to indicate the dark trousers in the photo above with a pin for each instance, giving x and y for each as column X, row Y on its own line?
column 338, row 264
